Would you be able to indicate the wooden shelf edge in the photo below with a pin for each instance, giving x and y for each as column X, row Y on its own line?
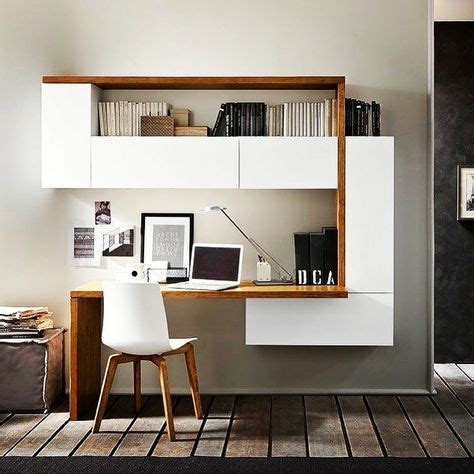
column 202, row 82
column 246, row 290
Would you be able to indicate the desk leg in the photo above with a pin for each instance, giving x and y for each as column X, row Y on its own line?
column 84, row 366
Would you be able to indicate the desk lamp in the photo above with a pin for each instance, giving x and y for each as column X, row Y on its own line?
column 286, row 277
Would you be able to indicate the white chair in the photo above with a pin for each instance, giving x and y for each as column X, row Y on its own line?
column 135, row 325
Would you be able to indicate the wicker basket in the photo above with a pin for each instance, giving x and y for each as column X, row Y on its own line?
column 157, row 126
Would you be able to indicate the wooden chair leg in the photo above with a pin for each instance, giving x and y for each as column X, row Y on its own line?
column 105, row 391
column 137, row 385
column 193, row 381
column 165, row 392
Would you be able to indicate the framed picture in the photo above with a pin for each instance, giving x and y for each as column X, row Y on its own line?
column 84, row 246
column 167, row 237
column 118, row 242
column 465, row 192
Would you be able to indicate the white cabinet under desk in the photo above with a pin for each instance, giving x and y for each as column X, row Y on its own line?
column 165, row 162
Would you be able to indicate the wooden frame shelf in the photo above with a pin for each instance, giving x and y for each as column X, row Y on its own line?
column 333, row 83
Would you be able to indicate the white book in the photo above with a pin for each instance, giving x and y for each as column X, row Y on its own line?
column 327, row 117
column 134, row 119
column 112, row 119
column 309, row 120
column 286, row 119
column 322, row 130
column 302, row 119
column 299, row 119
column 334, row 117
column 156, row 109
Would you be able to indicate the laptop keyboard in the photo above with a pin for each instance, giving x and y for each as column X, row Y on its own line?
column 198, row 286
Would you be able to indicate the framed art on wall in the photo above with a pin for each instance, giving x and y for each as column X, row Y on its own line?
column 465, row 192
column 167, row 237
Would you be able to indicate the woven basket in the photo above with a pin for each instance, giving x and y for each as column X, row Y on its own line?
column 157, row 126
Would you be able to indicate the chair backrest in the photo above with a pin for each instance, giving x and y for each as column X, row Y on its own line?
column 134, row 318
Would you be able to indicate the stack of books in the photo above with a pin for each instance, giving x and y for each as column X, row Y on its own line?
column 316, row 257
column 362, row 118
column 240, row 119
column 291, row 119
column 24, row 322
column 122, row 118
column 303, row 119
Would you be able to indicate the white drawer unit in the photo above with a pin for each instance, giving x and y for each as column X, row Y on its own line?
column 288, row 162
column 68, row 120
column 369, row 214
column 359, row 320
column 165, row 162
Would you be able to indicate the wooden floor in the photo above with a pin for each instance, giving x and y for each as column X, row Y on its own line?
column 326, row 426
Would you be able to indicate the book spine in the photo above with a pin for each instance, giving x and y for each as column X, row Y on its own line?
column 316, row 252
column 238, row 119
column 302, row 258
column 327, row 118
column 252, row 119
column 227, row 119
column 220, row 116
column 334, row 117
column 377, row 122
column 330, row 255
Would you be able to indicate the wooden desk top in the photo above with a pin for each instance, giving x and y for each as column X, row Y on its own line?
column 247, row 289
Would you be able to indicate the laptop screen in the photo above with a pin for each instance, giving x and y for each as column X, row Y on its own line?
column 216, row 263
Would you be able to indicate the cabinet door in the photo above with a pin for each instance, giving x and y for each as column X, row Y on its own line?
column 288, row 162
column 68, row 118
column 359, row 320
column 165, row 162
column 369, row 214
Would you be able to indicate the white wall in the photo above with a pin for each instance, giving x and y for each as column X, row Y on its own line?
column 381, row 48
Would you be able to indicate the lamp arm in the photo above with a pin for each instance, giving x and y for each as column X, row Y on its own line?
column 257, row 246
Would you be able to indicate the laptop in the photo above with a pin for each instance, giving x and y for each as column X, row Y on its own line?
column 213, row 267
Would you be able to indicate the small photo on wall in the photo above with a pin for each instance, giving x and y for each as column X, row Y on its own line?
column 103, row 213
column 118, row 242
column 84, row 248
column 465, row 192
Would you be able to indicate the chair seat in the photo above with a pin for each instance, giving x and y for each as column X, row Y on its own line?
column 177, row 343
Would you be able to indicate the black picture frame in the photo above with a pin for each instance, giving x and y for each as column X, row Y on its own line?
column 462, row 197
column 154, row 215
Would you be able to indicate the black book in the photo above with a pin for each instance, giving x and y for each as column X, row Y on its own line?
column 232, row 119
column 348, row 107
column 316, row 253
column 252, row 119
column 238, row 117
column 354, row 116
column 302, row 258
column 227, row 119
column 258, row 119
column 264, row 119
column 330, row 255
column 359, row 118
column 377, row 120
column 245, row 120
column 219, row 126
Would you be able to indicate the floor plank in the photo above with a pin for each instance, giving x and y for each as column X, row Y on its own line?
column 64, row 443
column 360, row 432
column 455, row 412
column 42, row 432
column 468, row 369
column 213, row 436
column 249, row 435
column 119, row 418
column 144, row 430
column 4, row 416
column 459, row 382
column 186, row 426
column 325, row 435
column 437, row 438
column 15, row 428
column 288, row 426
column 395, row 431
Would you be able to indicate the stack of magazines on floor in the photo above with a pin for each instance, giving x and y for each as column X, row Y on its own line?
column 24, row 322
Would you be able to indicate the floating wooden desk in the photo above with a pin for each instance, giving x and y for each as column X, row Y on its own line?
column 86, row 326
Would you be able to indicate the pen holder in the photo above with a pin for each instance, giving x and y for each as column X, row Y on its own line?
column 264, row 271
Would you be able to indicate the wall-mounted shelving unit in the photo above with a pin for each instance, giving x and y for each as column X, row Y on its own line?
column 74, row 156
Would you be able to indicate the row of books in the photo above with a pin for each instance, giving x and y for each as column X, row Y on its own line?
column 316, row 257
column 122, row 118
column 303, row 119
column 291, row 119
column 237, row 119
column 362, row 118
column 24, row 322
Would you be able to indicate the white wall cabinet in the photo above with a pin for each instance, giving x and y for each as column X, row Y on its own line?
column 359, row 320
column 165, row 162
column 68, row 120
column 369, row 214
column 288, row 162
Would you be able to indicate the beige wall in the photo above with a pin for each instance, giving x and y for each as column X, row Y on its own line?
column 381, row 48
column 453, row 10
